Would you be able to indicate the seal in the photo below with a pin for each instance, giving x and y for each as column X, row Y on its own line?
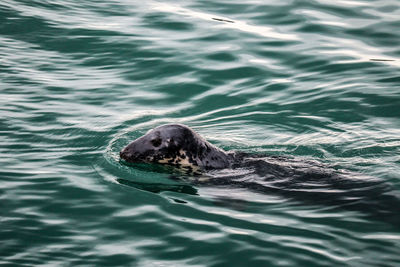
column 298, row 178
column 179, row 146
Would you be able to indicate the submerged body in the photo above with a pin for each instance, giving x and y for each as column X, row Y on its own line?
column 293, row 178
column 179, row 146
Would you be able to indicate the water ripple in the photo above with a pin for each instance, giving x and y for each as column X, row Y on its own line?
column 309, row 79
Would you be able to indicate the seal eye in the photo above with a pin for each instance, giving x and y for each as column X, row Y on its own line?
column 156, row 142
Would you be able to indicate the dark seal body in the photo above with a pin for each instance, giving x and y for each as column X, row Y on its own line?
column 293, row 178
column 176, row 145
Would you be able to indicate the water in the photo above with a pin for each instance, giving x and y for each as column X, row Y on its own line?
column 311, row 79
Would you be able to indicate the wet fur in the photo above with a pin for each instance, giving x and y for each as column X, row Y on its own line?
column 176, row 145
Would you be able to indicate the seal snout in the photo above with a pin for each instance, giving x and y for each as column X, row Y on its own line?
column 125, row 155
column 128, row 153
column 132, row 152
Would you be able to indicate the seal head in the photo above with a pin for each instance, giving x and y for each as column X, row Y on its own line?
column 176, row 145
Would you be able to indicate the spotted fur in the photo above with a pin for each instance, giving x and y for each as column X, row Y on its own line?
column 176, row 145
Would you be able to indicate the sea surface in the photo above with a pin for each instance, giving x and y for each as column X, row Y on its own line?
column 313, row 80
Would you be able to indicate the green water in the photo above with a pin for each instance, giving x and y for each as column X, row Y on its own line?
column 79, row 80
